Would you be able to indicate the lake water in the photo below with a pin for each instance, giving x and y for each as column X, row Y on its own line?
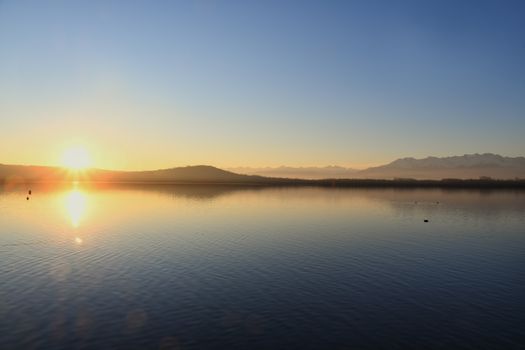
column 203, row 267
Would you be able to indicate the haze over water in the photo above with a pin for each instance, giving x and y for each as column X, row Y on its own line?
column 224, row 267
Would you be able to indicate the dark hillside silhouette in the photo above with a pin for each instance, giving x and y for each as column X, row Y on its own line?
column 202, row 174
column 468, row 166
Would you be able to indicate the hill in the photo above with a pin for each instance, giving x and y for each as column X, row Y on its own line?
column 189, row 174
column 472, row 166
column 468, row 166
column 198, row 173
column 328, row 172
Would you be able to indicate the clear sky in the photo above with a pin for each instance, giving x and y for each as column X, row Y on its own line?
column 155, row 84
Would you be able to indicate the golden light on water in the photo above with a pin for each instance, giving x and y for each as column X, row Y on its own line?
column 75, row 206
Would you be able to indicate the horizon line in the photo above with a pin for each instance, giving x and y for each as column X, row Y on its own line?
column 227, row 168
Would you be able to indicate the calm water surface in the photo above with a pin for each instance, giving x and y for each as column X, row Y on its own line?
column 175, row 267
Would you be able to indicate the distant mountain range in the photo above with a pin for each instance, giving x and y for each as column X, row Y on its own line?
column 468, row 166
column 331, row 172
column 471, row 166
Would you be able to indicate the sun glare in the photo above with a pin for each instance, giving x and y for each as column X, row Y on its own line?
column 76, row 158
column 76, row 206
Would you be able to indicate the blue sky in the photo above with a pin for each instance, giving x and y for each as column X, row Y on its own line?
column 150, row 84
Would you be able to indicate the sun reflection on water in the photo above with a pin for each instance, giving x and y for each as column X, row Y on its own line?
column 75, row 206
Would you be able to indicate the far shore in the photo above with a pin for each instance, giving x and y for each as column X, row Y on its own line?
column 283, row 182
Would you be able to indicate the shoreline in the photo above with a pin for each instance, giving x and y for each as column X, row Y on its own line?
column 281, row 182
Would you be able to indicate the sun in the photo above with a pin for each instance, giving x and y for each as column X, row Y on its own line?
column 76, row 158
